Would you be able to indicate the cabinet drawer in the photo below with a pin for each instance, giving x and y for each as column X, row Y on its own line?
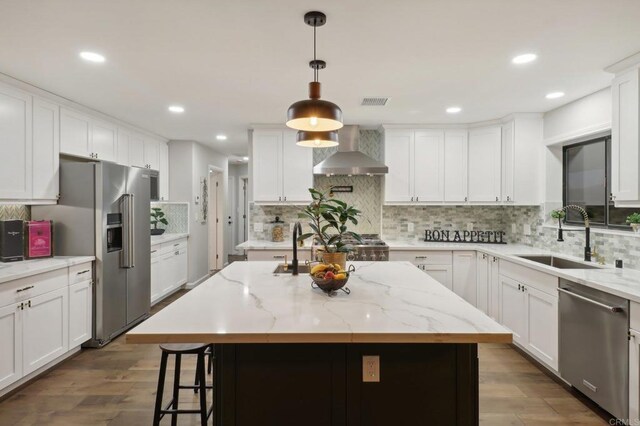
column 79, row 273
column 164, row 248
column 422, row 257
column 530, row 277
column 277, row 255
column 25, row 288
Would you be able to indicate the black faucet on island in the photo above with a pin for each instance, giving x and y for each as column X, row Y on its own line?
column 587, row 230
column 297, row 231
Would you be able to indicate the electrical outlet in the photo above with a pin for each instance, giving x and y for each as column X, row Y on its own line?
column 526, row 229
column 514, row 228
column 410, row 227
column 258, row 227
column 291, row 225
column 371, row 368
column 470, row 226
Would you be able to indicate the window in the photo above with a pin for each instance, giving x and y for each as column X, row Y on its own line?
column 587, row 167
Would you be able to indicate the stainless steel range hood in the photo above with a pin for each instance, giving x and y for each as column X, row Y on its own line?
column 348, row 160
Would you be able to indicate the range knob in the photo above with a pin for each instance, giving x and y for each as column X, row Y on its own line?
column 382, row 256
column 373, row 256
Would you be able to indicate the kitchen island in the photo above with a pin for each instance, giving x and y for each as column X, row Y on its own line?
column 287, row 354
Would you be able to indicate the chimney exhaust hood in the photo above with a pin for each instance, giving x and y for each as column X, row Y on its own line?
column 348, row 160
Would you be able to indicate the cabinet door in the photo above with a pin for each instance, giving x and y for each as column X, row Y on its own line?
column 441, row 273
column 464, row 275
column 512, row 308
column 123, row 147
column 485, row 165
column 634, row 374
column 508, row 161
column 104, row 143
column 46, row 149
column 297, row 170
column 136, row 151
column 169, row 273
column 182, row 265
column 75, row 134
column 267, row 167
column 482, row 281
column 80, row 313
column 625, row 130
column 455, row 165
column 10, row 344
column 494, row 289
column 542, row 326
column 45, row 329
column 152, row 154
column 428, row 170
column 156, row 277
column 164, row 172
column 15, row 144
column 398, row 156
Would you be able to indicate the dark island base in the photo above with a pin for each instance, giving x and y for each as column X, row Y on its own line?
column 321, row 385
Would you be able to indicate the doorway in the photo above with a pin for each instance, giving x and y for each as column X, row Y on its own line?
column 215, row 207
column 243, row 210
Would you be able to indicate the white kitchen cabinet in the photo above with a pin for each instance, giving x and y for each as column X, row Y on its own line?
column 156, row 275
column 168, row 273
column 277, row 255
column 512, row 308
column 75, row 134
column 625, row 133
column 136, row 150
column 416, row 166
column 123, row 147
column 464, row 275
column 485, row 165
column 542, row 325
column 45, row 328
column 164, row 171
column 436, row 263
column 634, row 373
column 456, row 145
column 16, row 145
column 494, row 289
column 10, row 344
column 441, row 273
column 80, row 313
column 151, row 154
column 169, row 268
column 281, row 171
column 508, row 160
column 104, row 142
column 483, row 277
column 46, row 150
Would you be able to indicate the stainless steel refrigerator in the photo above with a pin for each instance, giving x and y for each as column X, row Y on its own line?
column 103, row 211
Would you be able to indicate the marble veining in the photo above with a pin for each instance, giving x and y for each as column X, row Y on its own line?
column 389, row 302
column 16, row 270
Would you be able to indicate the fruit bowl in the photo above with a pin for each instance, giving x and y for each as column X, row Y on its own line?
column 337, row 278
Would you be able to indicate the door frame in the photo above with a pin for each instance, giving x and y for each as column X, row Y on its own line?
column 242, row 210
column 215, row 228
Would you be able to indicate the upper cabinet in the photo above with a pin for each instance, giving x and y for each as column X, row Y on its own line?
column 151, row 154
column 84, row 136
column 485, row 164
column 625, row 137
column 164, row 171
column 456, row 145
column 16, row 144
column 281, row 170
column 46, row 150
column 398, row 150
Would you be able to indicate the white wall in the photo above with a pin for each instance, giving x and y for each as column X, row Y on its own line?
column 189, row 162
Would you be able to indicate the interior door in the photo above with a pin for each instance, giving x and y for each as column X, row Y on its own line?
column 138, row 289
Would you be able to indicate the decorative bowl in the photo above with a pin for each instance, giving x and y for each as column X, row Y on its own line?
column 157, row 231
column 330, row 286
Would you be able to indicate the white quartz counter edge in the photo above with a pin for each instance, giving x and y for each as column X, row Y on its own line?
column 166, row 238
column 620, row 282
column 16, row 270
column 269, row 245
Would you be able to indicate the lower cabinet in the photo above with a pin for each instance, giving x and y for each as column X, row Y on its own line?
column 277, row 255
column 10, row 344
column 512, row 308
column 437, row 264
column 634, row 374
column 488, row 285
column 80, row 313
column 441, row 273
column 464, row 275
column 169, row 265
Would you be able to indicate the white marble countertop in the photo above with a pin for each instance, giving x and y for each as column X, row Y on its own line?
column 621, row 282
column 270, row 245
column 16, row 270
column 166, row 238
column 391, row 302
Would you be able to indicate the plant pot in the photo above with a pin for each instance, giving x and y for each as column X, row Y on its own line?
column 339, row 258
column 157, row 231
column 635, row 227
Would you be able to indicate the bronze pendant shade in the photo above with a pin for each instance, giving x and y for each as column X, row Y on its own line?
column 317, row 139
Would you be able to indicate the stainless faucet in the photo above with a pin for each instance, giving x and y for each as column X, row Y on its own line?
column 297, row 231
column 587, row 230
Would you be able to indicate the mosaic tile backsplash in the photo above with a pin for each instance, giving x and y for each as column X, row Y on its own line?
column 177, row 215
column 15, row 211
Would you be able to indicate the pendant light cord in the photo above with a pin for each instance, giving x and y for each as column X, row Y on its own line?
column 315, row 68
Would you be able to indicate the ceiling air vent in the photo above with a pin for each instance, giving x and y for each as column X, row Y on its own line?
column 374, row 101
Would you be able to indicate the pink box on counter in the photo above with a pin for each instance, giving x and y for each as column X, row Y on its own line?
column 39, row 239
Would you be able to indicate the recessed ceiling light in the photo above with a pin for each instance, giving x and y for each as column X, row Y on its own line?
column 525, row 58
column 554, row 95
column 176, row 109
column 92, row 57
column 454, row 110
column 221, row 137
column 245, row 158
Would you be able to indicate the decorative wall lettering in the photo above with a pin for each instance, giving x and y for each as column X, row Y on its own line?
column 447, row 236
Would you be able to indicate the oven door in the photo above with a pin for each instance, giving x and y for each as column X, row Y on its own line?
column 154, row 179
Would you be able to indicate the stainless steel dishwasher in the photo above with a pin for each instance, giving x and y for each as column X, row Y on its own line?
column 594, row 345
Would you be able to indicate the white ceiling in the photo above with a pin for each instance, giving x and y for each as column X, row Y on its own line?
column 232, row 63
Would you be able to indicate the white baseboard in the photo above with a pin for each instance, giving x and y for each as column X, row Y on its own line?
column 194, row 284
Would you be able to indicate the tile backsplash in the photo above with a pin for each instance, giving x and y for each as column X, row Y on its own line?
column 177, row 215
column 15, row 211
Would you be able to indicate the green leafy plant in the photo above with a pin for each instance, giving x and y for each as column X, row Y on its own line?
column 157, row 216
column 558, row 214
column 329, row 218
column 633, row 218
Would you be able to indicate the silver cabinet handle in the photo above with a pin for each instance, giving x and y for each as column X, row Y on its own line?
column 484, row 256
column 279, row 256
column 495, row 259
column 176, row 245
column 421, row 257
column 20, row 290
column 153, row 251
column 497, row 198
column 417, row 199
column 83, row 272
column 465, row 199
column 518, row 287
column 593, row 302
column 411, row 198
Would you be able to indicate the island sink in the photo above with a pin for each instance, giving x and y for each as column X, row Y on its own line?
column 559, row 262
column 288, row 269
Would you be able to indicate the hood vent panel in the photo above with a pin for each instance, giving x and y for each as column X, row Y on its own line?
column 374, row 101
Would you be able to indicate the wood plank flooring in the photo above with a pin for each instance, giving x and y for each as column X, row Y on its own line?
column 116, row 385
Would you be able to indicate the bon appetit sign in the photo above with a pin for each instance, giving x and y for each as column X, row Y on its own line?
column 486, row 237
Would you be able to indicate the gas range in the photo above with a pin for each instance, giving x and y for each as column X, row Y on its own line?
column 371, row 248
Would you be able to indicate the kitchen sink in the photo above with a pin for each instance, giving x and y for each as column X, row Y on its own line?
column 559, row 262
column 287, row 269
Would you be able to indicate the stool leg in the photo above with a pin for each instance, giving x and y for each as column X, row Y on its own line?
column 196, row 380
column 210, row 361
column 160, row 391
column 176, row 390
column 203, row 390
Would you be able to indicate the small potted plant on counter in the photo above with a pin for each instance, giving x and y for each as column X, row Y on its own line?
column 634, row 220
column 157, row 215
column 329, row 220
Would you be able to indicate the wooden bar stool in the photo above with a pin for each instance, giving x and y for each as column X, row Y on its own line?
column 202, row 350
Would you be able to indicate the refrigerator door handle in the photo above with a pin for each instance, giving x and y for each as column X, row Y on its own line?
column 128, row 250
column 132, row 227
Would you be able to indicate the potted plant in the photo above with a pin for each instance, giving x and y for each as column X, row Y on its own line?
column 157, row 215
column 328, row 219
column 634, row 220
column 559, row 214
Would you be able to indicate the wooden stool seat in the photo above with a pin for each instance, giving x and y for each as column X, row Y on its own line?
column 183, row 348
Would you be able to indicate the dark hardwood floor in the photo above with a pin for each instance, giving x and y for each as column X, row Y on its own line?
column 116, row 385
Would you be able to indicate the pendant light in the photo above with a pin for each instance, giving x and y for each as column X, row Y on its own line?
column 314, row 114
column 317, row 139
